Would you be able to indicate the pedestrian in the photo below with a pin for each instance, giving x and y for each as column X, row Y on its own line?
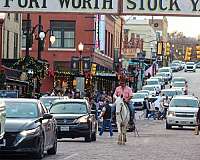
column 165, row 104
column 106, row 113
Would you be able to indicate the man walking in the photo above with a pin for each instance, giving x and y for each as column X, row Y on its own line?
column 106, row 113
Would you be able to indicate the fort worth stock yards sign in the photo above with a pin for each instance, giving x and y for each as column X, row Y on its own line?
column 135, row 7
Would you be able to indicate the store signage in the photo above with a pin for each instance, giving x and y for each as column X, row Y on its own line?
column 162, row 7
column 79, row 6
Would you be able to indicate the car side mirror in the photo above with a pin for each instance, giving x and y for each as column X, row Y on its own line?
column 47, row 116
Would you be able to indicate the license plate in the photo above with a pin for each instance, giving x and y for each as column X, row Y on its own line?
column 2, row 143
column 183, row 122
column 64, row 128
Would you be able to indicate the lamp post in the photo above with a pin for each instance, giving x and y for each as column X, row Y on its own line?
column 80, row 49
column 40, row 37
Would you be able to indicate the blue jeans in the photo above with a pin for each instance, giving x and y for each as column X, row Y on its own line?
column 106, row 123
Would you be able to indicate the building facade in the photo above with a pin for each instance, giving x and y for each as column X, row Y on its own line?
column 144, row 30
column 95, row 32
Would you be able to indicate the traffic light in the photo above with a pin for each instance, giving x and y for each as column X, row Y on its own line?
column 198, row 52
column 159, row 48
column 167, row 50
column 188, row 54
column 94, row 69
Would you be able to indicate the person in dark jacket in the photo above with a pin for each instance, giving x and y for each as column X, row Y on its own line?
column 106, row 113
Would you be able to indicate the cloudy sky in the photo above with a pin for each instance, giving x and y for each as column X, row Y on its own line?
column 190, row 26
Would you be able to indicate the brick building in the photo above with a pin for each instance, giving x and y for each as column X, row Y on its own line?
column 94, row 31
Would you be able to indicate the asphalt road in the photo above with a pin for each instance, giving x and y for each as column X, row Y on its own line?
column 154, row 142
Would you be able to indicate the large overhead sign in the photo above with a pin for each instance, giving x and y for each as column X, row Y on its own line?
column 79, row 6
column 162, row 7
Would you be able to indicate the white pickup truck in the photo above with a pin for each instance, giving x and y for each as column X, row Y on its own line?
column 2, row 121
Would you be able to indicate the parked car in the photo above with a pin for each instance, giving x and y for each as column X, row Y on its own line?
column 74, row 119
column 198, row 65
column 164, row 75
column 171, row 92
column 48, row 100
column 179, row 86
column 155, row 83
column 161, row 80
column 2, row 121
column 151, row 89
column 182, row 111
column 190, row 66
column 175, row 67
column 178, row 79
column 138, row 99
column 167, row 71
column 29, row 128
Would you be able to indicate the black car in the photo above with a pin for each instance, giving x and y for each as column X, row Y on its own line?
column 74, row 119
column 29, row 128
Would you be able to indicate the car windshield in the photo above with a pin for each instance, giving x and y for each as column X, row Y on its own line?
column 48, row 101
column 139, row 96
column 163, row 70
column 69, row 108
column 179, row 84
column 149, row 88
column 190, row 63
column 179, row 79
column 160, row 74
column 171, row 93
column 21, row 109
column 152, row 82
column 184, row 103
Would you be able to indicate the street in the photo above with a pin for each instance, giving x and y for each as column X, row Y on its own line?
column 154, row 141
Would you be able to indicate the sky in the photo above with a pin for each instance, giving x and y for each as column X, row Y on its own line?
column 190, row 26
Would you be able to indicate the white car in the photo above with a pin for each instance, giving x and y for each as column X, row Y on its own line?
column 154, row 82
column 190, row 66
column 2, row 120
column 182, row 111
column 179, row 79
column 164, row 75
column 160, row 79
column 151, row 89
column 179, row 86
column 138, row 99
column 167, row 71
column 171, row 92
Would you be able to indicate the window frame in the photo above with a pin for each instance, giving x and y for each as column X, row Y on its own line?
column 60, row 26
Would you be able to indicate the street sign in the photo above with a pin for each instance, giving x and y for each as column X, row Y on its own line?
column 162, row 7
column 78, row 6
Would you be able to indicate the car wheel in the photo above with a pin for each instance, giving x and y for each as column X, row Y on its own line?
column 94, row 136
column 168, row 126
column 53, row 150
column 89, row 137
column 40, row 153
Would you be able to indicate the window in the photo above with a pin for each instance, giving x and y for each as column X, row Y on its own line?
column 8, row 41
column 64, row 31
column 15, row 45
column 24, row 31
column 16, row 17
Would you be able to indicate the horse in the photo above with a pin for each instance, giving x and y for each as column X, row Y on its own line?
column 122, row 119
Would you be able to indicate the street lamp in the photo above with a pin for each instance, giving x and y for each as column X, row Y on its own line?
column 80, row 48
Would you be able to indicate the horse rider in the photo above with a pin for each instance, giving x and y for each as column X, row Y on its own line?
column 126, row 92
column 106, row 113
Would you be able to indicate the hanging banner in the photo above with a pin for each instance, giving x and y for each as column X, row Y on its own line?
column 162, row 7
column 78, row 6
